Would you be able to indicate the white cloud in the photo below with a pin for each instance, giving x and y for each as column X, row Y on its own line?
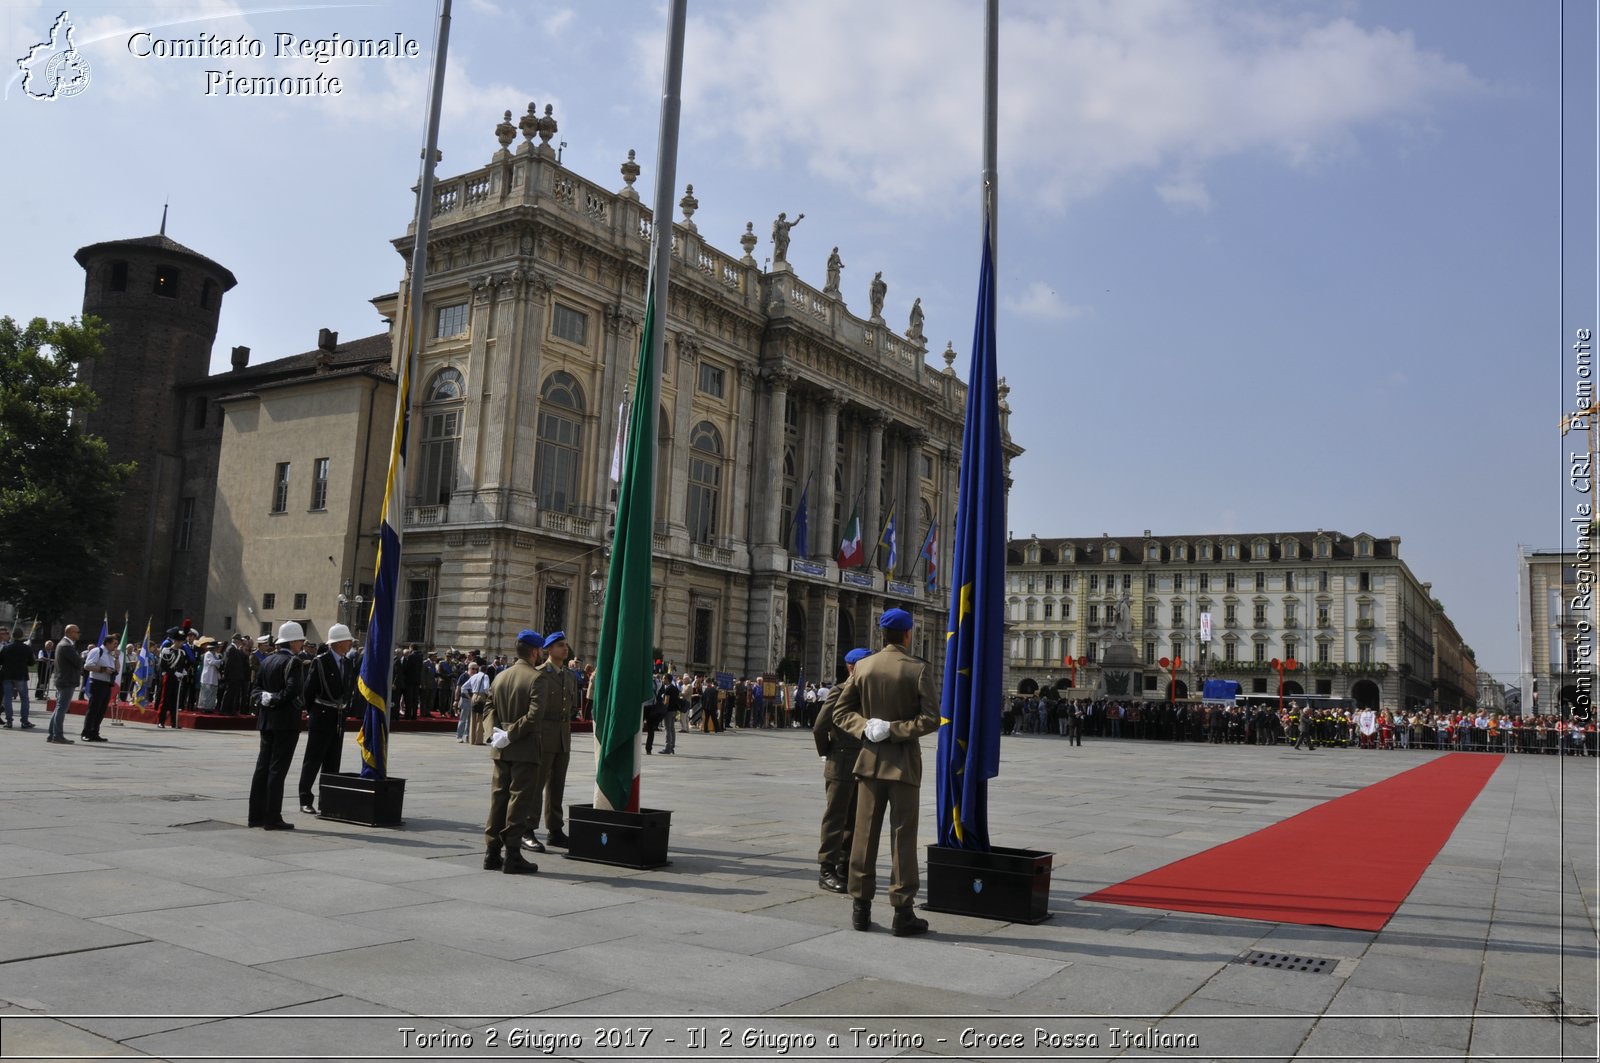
column 1090, row 92
column 557, row 21
column 1040, row 301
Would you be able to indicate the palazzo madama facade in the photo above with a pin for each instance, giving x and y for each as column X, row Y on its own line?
column 773, row 391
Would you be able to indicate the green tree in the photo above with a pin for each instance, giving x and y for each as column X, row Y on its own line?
column 59, row 488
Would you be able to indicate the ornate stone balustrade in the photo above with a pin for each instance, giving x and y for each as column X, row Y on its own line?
column 424, row 515
column 567, row 523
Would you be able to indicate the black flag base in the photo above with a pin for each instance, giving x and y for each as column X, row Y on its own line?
column 1011, row 885
column 370, row 802
column 623, row 839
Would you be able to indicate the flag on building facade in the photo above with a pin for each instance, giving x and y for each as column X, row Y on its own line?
column 930, row 554
column 802, row 523
column 888, row 542
column 851, row 553
column 623, row 681
column 969, row 708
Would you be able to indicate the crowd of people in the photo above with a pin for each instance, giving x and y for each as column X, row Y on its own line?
column 1306, row 726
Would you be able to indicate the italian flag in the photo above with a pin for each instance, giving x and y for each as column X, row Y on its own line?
column 851, row 554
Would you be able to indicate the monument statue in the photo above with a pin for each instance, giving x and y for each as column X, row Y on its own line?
column 877, row 292
column 1124, row 629
column 780, row 236
column 914, row 330
column 834, row 266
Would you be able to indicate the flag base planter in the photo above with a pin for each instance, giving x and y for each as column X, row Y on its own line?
column 625, row 839
column 370, row 802
column 1011, row 885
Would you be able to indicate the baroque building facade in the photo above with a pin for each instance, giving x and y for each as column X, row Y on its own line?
column 774, row 395
column 1346, row 608
column 1555, row 627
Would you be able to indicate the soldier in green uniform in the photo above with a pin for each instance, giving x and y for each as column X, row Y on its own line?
column 557, row 698
column 839, row 787
column 514, row 794
column 889, row 701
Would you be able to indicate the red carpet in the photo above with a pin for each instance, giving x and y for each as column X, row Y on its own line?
column 1347, row 863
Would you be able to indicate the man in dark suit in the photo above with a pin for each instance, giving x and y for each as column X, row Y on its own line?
column 69, row 675
column 889, row 701
column 279, row 697
column 236, row 677
column 330, row 682
column 839, row 787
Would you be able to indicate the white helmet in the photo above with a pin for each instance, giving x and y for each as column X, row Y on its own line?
column 290, row 632
column 339, row 633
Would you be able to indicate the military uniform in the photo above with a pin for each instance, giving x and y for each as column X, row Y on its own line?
column 516, row 789
column 841, row 749
column 557, row 698
column 896, row 687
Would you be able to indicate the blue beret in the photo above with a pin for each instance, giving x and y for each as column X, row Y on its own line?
column 895, row 620
column 530, row 637
column 551, row 640
column 855, row 656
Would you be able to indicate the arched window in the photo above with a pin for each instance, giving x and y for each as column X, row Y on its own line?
column 441, row 436
column 555, row 475
column 705, row 481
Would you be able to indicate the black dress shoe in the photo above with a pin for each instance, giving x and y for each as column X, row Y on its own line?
column 906, row 924
column 492, row 861
column 828, row 879
column 532, row 843
column 25, row 725
column 861, row 915
column 282, row 824
column 558, row 839
column 308, row 807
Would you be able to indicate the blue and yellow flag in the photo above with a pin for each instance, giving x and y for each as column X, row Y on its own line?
column 889, row 543
column 143, row 672
column 969, row 710
column 377, row 653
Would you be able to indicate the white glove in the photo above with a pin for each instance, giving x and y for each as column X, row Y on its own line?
column 877, row 730
column 499, row 740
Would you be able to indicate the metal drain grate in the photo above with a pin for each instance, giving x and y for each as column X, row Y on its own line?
column 1282, row 961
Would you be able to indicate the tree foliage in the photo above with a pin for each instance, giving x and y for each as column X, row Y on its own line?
column 59, row 488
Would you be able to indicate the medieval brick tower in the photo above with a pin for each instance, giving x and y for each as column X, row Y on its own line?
column 161, row 302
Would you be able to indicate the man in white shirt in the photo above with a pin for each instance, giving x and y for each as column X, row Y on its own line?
column 102, row 664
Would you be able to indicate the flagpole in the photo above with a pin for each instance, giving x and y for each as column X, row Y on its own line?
column 991, row 112
column 666, row 181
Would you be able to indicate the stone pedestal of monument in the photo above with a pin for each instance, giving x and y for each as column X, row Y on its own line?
column 1121, row 674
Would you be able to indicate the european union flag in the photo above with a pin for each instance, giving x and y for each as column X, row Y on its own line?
column 802, row 523
column 969, row 710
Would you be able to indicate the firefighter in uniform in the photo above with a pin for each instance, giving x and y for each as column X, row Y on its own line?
column 839, row 787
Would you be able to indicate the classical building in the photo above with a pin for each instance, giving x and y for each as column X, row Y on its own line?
column 774, row 395
column 1346, row 608
column 1555, row 625
column 1455, row 666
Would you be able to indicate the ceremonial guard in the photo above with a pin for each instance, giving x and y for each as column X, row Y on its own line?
column 516, row 787
column 890, row 702
column 839, row 787
column 330, row 683
column 278, row 698
column 556, row 701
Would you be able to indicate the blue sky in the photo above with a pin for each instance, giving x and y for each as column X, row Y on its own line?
column 1263, row 266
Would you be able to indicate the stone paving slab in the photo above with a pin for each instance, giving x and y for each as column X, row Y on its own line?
column 131, row 895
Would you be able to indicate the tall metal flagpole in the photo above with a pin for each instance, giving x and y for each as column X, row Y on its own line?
column 666, row 181
column 991, row 136
column 419, row 249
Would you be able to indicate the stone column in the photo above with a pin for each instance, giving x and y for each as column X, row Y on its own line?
column 518, row 446
column 616, row 367
column 778, row 381
column 677, row 484
column 480, row 370
column 911, row 529
column 822, row 524
column 743, row 450
column 871, row 517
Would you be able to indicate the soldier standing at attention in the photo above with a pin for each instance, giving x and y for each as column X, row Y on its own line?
column 556, row 700
column 839, row 787
column 890, row 702
column 516, row 786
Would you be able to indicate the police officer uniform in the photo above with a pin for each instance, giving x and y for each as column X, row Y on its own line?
column 889, row 700
column 330, row 682
column 516, row 787
column 279, row 696
column 839, row 787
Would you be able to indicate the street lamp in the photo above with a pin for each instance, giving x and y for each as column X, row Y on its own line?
column 350, row 607
column 1281, row 667
column 597, row 586
column 1072, row 664
column 1171, row 665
